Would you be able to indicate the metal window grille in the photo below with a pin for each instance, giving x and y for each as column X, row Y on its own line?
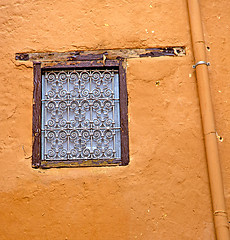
column 80, row 115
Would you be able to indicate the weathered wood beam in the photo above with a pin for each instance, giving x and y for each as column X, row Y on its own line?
column 109, row 54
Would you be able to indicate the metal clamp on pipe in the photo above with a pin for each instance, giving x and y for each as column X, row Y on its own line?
column 201, row 62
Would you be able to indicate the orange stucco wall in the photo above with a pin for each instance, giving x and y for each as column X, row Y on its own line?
column 164, row 192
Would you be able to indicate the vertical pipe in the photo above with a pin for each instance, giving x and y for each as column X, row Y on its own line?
column 213, row 162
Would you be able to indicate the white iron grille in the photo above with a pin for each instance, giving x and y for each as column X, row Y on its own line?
column 80, row 115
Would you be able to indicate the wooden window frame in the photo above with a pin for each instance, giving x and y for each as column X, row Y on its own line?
column 38, row 67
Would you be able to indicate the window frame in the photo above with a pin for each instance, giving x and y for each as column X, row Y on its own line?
column 38, row 67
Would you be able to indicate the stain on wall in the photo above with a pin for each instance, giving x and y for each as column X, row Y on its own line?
column 164, row 192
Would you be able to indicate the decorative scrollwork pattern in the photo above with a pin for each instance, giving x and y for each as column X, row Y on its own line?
column 80, row 115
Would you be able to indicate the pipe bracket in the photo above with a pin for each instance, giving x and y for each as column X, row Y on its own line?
column 219, row 212
column 201, row 62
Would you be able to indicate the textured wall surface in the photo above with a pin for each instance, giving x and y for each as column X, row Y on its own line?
column 164, row 192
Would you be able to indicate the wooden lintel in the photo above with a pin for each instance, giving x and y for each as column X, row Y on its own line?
column 93, row 55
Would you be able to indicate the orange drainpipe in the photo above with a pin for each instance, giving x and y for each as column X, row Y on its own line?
column 208, row 122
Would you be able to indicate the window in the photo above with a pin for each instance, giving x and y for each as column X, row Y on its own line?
column 80, row 115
